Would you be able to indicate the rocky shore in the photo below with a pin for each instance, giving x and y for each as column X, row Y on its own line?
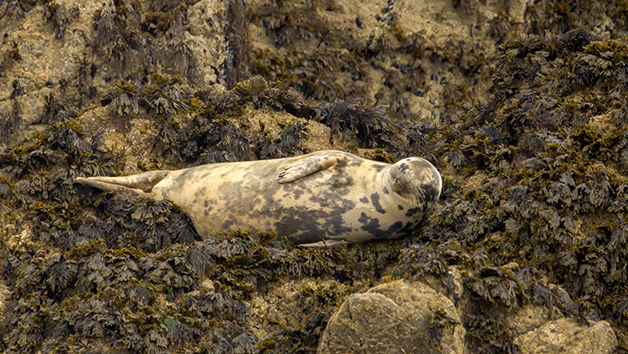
column 522, row 107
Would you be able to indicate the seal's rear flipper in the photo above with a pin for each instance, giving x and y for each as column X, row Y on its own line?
column 138, row 185
column 325, row 244
column 314, row 163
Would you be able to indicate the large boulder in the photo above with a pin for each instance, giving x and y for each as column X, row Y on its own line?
column 566, row 336
column 397, row 317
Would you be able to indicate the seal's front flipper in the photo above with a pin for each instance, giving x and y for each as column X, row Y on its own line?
column 324, row 244
column 308, row 166
column 138, row 185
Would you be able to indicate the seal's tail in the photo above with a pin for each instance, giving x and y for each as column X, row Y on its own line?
column 139, row 184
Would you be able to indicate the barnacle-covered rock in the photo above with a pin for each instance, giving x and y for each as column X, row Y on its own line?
column 395, row 317
column 568, row 336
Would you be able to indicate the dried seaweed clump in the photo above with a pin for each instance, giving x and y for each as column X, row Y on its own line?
column 313, row 71
column 563, row 16
column 132, row 299
column 127, row 35
column 369, row 125
column 214, row 134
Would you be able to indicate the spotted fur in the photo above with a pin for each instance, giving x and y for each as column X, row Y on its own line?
column 318, row 200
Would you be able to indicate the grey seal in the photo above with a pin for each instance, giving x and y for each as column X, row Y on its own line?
column 320, row 199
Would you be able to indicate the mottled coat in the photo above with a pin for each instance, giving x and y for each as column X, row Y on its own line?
column 319, row 199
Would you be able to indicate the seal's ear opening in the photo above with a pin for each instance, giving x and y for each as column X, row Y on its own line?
column 417, row 177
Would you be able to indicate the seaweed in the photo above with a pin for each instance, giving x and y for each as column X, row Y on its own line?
column 563, row 16
column 163, row 96
column 236, row 65
column 183, row 61
column 313, row 302
column 11, row 120
column 60, row 16
column 117, row 34
column 489, row 334
column 533, row 209
column 168, row 18
column 439, row 323
column 213, row 134
column 368, row 124
column 548, row 204
column 125, row 101
column 93, row 284
column 84, row 81
column 10, row 57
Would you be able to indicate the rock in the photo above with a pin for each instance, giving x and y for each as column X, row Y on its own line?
column 397, row 317
column 206, row 37
column 289, row 307
column 527, row 319
column 420, row 49
column 69, row 64
column 272, row 122
column 566, row 336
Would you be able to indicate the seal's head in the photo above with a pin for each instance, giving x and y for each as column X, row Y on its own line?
column 415, row 177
